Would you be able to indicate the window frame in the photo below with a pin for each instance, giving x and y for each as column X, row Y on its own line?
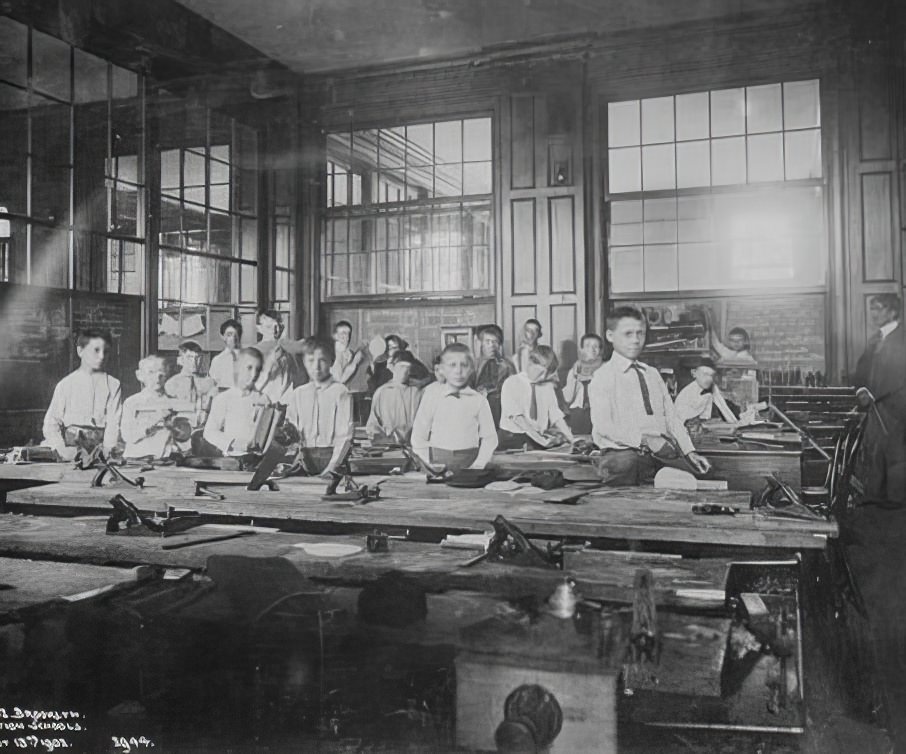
column 426, row 206
column 605, row 197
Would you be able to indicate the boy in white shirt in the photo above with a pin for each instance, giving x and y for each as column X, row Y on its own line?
column 700, row 397
column 147, row 426
column 86, row 403
column 234, row 416
column 223, row 365
column 453, row 426
column 321, row 411
column 633, row 419
column 528, row 404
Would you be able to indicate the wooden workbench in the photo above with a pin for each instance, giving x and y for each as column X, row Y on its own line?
column 627, row 514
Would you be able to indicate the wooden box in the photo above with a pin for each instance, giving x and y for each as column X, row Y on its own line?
column 585, row 692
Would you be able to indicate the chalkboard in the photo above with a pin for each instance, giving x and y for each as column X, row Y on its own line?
column 37, row 341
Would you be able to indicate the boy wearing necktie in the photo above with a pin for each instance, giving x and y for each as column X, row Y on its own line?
column 633, row 419
column 528, row 402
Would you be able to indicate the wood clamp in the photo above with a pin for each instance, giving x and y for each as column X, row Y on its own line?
column 203, row 487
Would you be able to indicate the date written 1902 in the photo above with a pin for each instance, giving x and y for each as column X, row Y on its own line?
column 132, row 743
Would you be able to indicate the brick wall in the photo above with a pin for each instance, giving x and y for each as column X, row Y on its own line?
column 420, row 324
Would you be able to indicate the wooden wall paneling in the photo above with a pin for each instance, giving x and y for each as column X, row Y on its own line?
column 878, row 227
column 522, row 141
column 549, row 283
column 561, row 217
column 564, row 334
column 868, row 117
column 524, row 247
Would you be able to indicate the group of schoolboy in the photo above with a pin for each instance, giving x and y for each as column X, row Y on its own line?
column 456, row 421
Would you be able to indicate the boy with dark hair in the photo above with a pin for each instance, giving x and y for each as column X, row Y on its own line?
column 493, row 369
column 575, row 393
column 531, row 334
column 633, row 419
column 188, row 386
column 395, row 403
column 235, row 412
column 223, row 365
column 86, row 404
column 347, row 360
column 700, row 397
column 529, row 406
column 321, row 411
column 453, row 426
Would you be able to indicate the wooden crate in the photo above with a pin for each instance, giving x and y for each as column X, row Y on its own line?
column 586, row 695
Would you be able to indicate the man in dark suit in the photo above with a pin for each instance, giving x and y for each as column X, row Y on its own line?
column 880, row 382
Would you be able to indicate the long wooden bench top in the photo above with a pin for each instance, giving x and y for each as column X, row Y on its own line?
column 631, row 513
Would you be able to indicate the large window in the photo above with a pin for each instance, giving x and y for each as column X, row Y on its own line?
column 716, row 190
column 408, row 210
column 71, row 183
column 208, row 221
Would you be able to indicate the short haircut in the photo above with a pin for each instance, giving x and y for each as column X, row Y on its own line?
column 702, row 361
column 532, row 321
column 313, row 345
column 231, row 323
column 741, row 331
column 87, row 335
column 623, row 312
column 404, row 357
column 591, row 336
column 491, row 330
column 403, row 345
column 190, row 345
column 152, row 359
column 545, row 356
column 889, row 301
column 342, row 323
column 270, row 314
column 253, row 352
column 453, row 348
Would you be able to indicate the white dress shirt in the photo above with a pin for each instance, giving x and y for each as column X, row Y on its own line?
column 516, row 400
column 889, row 328
column 223, row 369
column 141, row 412
column 691, row 403
column 618, row 415
column 453, row 419
column 234, row 419
column 88, row 399
column 322, row 412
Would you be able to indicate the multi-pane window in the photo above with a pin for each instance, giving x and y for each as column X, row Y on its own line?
column 71, row 187
column 719, row 189
column 208, row 219
column 408, row 210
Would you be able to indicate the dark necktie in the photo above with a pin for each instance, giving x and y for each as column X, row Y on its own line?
column 533, row 408
column 646, row 396
column 709, row 391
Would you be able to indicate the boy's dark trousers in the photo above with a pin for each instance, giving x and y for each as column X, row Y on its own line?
column 630, row 467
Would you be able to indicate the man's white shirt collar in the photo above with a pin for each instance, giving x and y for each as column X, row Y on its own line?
column 889, row 328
